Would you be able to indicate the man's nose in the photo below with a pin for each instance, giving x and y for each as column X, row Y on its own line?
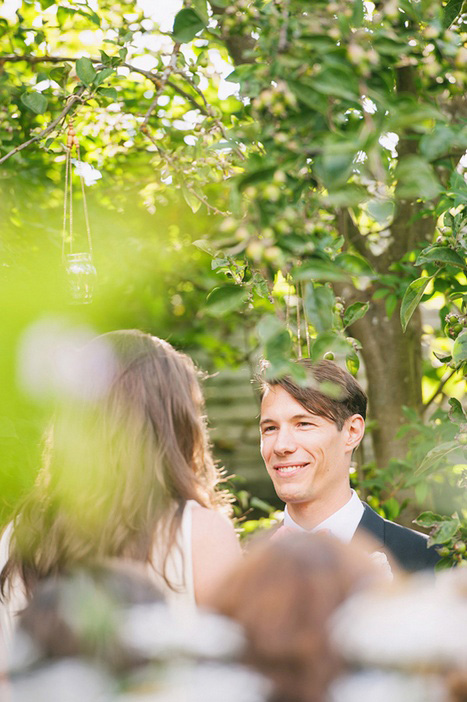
column 285, row 441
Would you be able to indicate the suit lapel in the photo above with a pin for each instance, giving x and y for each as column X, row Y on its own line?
column 373, row 524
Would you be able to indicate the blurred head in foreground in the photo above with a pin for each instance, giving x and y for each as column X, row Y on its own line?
column 105, row 633
column 284, row 595
column 407, row 642
column 120, row 462
column 80, row 614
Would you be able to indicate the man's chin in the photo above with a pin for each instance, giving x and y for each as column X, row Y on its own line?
column 292, row 498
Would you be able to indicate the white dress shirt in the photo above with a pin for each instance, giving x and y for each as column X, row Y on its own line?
column 342, row 524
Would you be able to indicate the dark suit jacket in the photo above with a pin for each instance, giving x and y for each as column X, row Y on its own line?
column 408, row 547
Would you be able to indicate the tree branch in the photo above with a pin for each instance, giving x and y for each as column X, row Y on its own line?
column 209, row 113
column 438, row 390
column 154, row 78
column 71, row 102
column 161, row 85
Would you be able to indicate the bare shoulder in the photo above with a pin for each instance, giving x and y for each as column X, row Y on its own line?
column 210, row 521
column 216, row 551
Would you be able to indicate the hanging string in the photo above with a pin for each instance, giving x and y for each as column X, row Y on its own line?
column 85, row 206
column 70, row 180
column 299, row 331
column 65, row 202
column 287, row 305
column 305, row 316
column 72, row 142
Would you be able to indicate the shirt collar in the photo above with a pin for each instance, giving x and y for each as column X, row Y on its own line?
column 342, row 524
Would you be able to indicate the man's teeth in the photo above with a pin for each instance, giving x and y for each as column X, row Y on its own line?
column 289, row 469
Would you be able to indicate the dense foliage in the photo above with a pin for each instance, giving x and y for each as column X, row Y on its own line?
column 334, row 179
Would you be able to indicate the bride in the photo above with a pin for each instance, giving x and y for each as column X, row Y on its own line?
column 127, row 474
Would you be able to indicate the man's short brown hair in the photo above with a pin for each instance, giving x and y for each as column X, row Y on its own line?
column 330, row 391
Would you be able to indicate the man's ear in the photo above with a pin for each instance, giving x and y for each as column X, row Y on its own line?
column 355, row 430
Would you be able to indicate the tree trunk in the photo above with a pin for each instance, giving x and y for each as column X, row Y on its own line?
column 394, row 372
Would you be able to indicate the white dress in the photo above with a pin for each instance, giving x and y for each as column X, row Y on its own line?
column 178, row 568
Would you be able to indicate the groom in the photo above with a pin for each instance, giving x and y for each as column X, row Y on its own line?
column 308, row 434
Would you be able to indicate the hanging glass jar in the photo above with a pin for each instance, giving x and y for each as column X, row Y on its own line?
column 82, row 276
column 79, row 265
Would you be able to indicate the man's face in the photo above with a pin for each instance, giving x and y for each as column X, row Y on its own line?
column 306, row 456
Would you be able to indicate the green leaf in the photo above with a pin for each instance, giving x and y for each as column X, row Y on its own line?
column 390, row 304
column 278, row 347
column 354, row 312
column 451, row 11
column 443, row 357
column 205, row 246
column 103, row 75
column 257, row 176
column 380, row 294
column 353, row 363
column 435, row 455
column 358, row 13
column 93, row 16
column 85, row 70
column 444, row 532
column 319, row 270
column 330, row 341
column 105, row 58
column 109, row 92
column 428, row 519
column 267, row 327
column 36, row 102
column 438, row 142
column 382, row 211
column 60, row 74
column 201, row 9
column 459, row 350
column 334, row 166
column 456, row 412
column 416, row 178
column 187, row 24
column 458, row 188
column 257, row 503
column 440, row 254
column 339, row 83
column 411, row 299
column 46, row 3
column 391, row 508
column 223, row 300
column 319, row 302
column 354, row 265
column 123, row 53
column 307, row 95
column 191, row 200
column 63, row 13
column 277, row 344
column 421, row 492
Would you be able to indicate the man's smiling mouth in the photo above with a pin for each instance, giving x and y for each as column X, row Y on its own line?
column 289, row 468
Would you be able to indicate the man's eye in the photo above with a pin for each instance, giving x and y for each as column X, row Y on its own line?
column 305, row 424
column 268, row 430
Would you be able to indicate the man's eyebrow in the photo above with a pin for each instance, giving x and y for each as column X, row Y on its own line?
column 295, row 417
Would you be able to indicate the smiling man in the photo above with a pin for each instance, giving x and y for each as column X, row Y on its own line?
column 308, row 435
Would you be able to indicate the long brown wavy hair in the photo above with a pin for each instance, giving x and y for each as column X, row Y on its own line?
column 119, row 464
